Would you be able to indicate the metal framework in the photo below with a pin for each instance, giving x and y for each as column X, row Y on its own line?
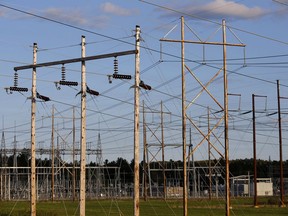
column 84, row 91
column 223, row 108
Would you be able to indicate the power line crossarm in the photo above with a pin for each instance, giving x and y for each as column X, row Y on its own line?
column 88, row 58
column 203, row 42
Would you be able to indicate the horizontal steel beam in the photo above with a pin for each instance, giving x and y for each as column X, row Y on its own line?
column 48, row 151
column 67, row 61
column 203, row 42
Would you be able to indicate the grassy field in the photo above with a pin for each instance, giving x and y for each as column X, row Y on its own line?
column 268, row 207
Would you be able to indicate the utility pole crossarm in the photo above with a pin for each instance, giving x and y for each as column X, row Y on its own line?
column 74, row 60
column 203, row 42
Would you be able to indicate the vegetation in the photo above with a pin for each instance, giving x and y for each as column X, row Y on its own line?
column 201, row 207
column 265, row 168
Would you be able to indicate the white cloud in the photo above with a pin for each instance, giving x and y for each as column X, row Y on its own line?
column 232, row 9
column 75, row 17
column 69, row 16
column 2, row 13
column 108, row 7
column 223, row 9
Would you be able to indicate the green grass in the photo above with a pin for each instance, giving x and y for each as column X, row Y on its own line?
column 202, row 207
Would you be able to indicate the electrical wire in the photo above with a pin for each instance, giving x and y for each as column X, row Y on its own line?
column 64, row 24
column 129, row 103
column 214, row 22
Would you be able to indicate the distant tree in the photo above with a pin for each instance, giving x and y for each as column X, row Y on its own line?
column 23, row 158
column 106, row 162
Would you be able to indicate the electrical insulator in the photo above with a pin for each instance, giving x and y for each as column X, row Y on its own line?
column 68, row 83
column 42, row 97
column 144, row 86
column 15, row 88
column 63, row 73
column 92, row 92
column 122, row 76
column 115, row 65
column 15, row 79
column 109, row 79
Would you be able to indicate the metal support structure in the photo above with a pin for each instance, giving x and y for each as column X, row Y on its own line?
column 99, row 162
column 74, row 60
column 83, row 132
column 161, row 144
column 145, row 161
column 225, row 108
column 73, row 158
column 282, row 204
column 209, row 154
column 163, row 155
column 136, row 199
column 4, row 163
column 255, row 149
column 83, row 111
column 15, row 171
column 194, row 183
column 52, row 157
column 194, row 169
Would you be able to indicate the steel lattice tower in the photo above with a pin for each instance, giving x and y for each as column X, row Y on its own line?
column 99, row 164
column 99, row 158
column 3, row 170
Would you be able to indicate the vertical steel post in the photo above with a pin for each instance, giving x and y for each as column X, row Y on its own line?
column 33, row 137
column 194, row 168
column 254, row 152
column 190, row 149
column 280, row 148
column 52, row 157
column 73, row 158
column 209, row 154
column 83, row 132
column 136, row 199
column 227, row 179
column 185, row 211
column 144, row 190
column 163, row 153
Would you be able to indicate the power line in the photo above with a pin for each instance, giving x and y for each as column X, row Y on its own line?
column 283, row 3
column 214, row 22
column 122, row 41
column 64, row 24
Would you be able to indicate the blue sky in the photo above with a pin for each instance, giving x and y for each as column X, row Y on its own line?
column 109, row 27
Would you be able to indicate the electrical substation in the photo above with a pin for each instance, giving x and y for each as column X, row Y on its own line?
column 64, row 158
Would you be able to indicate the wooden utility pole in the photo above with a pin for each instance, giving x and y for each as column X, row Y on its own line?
column 52, row 157
column 255, row 149
column 280, row 147
column 83, row 132
column 254, row 152
column 185, row 210
column 83, row 59
column 136, row 199
column 225, row 109
column 33, row 136
column 227, row 179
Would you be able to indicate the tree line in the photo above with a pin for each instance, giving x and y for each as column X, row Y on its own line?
column 265, row 168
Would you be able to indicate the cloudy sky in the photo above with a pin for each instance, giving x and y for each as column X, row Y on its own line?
column 57, row 27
